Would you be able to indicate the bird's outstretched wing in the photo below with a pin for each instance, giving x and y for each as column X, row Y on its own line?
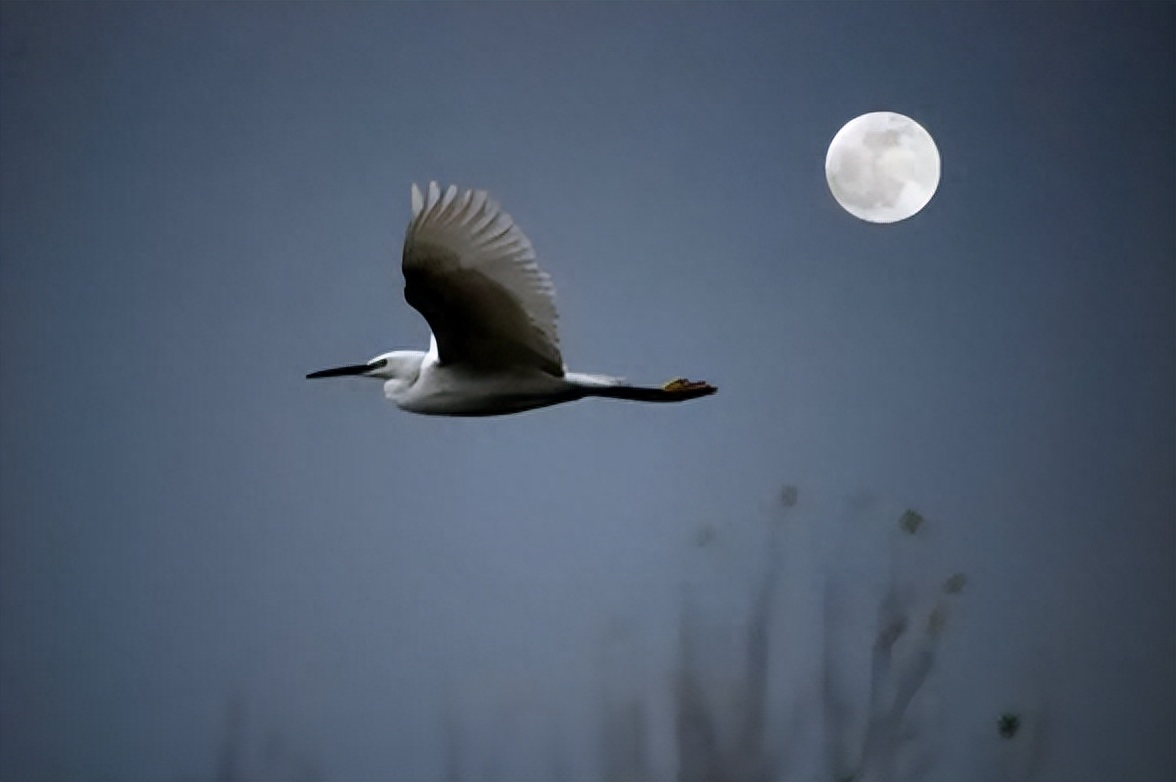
column 472, row 273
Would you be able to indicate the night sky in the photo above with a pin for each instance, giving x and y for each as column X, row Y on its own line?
column 199, row 549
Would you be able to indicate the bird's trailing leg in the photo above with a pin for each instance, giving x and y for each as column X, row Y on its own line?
column 677, row 390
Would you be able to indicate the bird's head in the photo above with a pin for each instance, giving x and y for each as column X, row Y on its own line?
column 403, row 365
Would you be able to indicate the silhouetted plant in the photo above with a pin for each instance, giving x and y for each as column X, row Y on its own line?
column 723, row 719
column 751, row 753
column 235, row 763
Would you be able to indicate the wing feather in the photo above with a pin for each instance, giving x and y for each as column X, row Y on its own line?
column 473, row 274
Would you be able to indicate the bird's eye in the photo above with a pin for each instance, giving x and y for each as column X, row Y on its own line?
column 378, row 363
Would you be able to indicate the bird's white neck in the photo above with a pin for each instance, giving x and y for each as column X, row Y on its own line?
column 400, row 370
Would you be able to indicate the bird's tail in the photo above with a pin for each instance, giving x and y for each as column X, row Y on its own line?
column 677, row 390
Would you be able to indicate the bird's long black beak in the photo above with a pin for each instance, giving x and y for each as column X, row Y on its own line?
column 354, row 369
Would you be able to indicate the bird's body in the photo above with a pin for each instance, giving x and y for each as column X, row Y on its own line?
column 458, row 389
column 494, row 349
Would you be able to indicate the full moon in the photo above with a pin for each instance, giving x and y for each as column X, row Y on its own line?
column 882, row 167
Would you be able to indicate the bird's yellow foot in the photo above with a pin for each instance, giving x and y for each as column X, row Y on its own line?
column 681, row 385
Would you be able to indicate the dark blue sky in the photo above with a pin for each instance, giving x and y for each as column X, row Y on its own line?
column 200, row 203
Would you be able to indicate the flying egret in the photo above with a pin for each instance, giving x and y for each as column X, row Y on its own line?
column 494, row 348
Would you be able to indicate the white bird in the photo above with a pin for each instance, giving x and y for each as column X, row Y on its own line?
column 494, row 348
